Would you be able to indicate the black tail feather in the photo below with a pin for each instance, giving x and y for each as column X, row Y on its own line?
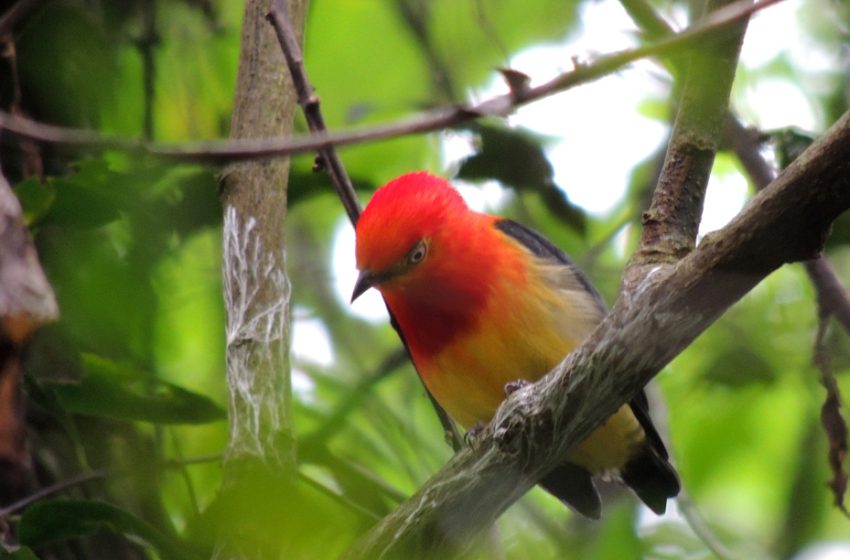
column 649, row 473
column 652, row 478
column 573, row 485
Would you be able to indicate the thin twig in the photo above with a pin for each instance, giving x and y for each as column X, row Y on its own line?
column 701, row 529
column 309, row 101
column 184, row 474
column 445, row 117
column 832, row 421
column 830, row 289
column 415, row 15
column 648, row 19
column 146, row 45
column 16, row 12
column 339, row 498
column 52, row 489
column 746, row 146
column 98, row 474
column 171, row 463
column 337, row 418
column 363, row 478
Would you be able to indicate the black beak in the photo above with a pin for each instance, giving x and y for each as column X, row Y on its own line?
column 365, row 281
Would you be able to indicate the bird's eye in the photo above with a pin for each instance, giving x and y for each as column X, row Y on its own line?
column 417, row 255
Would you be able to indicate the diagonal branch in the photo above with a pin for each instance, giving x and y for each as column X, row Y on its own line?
column 831, row 291
column 15, row 13
column 648, row 326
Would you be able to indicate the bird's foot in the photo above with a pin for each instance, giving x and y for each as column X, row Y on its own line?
column 472, row 433
column 514, row 386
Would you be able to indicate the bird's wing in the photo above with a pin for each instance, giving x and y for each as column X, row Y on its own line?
column 648, row 473
column 546, row 250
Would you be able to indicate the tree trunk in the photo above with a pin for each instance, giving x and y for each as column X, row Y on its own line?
column 257, row 290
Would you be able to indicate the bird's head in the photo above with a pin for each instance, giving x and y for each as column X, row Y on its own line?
column 406, row 222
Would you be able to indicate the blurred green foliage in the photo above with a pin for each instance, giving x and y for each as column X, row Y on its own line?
column 131, row 381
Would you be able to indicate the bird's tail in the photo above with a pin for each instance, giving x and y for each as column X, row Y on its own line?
column 573, row 485
column 652, row 477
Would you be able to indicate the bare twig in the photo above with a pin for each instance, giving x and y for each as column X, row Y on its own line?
column 16, row 12
column 146, row 44
column 339, row 498
column 98, row 474
column 746, row 146
column 309, row 102
column 701, row 529
column 336, row 419
column 51, row 490
column 251, row 149
column 830, row 290
column 830, row 414
column 649, row 20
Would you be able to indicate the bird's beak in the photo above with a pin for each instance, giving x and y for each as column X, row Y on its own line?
column 365, row 281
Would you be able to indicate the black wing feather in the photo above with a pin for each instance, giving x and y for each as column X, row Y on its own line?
column 545, row 249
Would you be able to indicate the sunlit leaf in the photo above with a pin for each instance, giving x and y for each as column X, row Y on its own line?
column 36, row 198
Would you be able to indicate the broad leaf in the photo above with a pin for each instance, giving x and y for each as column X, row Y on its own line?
column 59, row 520
column 114, row 390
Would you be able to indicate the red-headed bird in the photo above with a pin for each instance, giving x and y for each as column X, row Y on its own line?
column 482, row 301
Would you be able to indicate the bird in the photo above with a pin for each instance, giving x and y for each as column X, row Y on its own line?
column 482, row 302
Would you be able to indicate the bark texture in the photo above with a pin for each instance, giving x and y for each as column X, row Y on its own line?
column 255, row 282
column 261, row 450
column 671, row 223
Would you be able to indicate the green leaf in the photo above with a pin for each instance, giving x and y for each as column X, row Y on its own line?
column 36, row 199
column 114, row 390
column 789, row 144
column 59, row 520
column 81, row 204
column 22, row 553
column 44, row 396
column 516, row 158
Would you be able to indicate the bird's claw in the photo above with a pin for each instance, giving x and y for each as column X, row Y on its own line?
column 514, row 386
column 472, row 433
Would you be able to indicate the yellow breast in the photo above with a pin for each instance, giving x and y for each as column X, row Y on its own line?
column 523, row 334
